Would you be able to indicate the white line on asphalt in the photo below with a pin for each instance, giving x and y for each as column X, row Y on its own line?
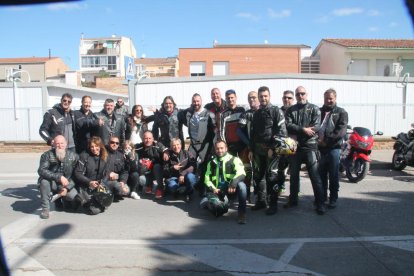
column 233, row 260
column 403, row 245
column 22, row 264
column 290, row 252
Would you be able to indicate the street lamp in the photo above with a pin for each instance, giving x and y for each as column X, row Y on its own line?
column 16, row 76
column 349, row 65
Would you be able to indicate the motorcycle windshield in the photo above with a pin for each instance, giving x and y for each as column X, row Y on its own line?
column 362, row 131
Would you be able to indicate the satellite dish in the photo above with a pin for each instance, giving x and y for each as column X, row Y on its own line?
column 105, row 44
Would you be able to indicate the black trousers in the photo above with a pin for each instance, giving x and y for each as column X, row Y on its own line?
column 310, row 158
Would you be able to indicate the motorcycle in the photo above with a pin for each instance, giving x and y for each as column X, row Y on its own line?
column 355, row 153
column 404, row 150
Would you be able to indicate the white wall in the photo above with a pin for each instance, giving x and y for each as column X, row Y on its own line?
column 373, row 102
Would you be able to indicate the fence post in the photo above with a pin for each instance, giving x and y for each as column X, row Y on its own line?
column 28, row 124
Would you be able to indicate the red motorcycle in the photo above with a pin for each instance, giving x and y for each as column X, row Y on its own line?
column 356, row 151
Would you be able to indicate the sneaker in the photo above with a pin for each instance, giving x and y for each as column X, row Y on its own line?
column 241, row 218
column 148, row 190
column 188, row 198
column 158, row 194
column 332, row 204
column 271, row 210
column 44, row 214
column 134, row 195
column 281, row 191
column 320, row 210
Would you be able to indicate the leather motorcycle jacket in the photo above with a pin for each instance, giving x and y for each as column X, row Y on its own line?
column 113, row 126
column 90, row 168
column 335, row 127
column 300, row 116
column 168, row 126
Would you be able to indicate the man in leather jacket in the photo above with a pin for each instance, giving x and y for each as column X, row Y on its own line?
column 55, row 174
column 268, row 122
column 303, row 123
column 116, row 169
column 59, row 120
column 333, row 129
column 85, row 121
column 109, row 123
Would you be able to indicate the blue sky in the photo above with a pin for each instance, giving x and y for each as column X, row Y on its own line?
column 159, row 28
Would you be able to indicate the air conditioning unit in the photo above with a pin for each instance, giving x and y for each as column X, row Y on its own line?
column 396, row 69
column 8, row 74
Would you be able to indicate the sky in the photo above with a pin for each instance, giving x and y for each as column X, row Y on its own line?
column 159, row 28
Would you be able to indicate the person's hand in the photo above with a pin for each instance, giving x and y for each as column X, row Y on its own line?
column 101, row 121
column 177, row 167
column 63, row 192
column 113, row 176
column 152, row 108
column 216, row 191
column 231, row 190
column 165, row 156
column 124, row 187
column 181, row 179
column 309, row 131
column 93, row 184
column 64, row 181
column 270, row 153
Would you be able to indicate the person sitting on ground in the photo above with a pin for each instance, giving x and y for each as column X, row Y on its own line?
column 152, row 154
column 133, row 166
column 55, row 175
column 179, row 170
column 91, row 177
column 118, row 175
column 224, row 176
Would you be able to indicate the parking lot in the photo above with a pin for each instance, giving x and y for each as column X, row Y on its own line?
column 370, row 232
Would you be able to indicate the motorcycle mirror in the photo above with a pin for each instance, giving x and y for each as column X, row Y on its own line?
column 379, row 133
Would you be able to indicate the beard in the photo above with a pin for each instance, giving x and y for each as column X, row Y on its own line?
column 60, row 154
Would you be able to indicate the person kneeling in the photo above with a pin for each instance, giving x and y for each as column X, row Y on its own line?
column 224, row 176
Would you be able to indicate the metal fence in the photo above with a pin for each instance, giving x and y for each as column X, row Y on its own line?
column 387, row 118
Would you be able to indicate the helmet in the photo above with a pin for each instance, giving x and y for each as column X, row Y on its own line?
column 103, row 196
column 218, row 205
column 285, row 145
column 147, row 163
column 410, row 134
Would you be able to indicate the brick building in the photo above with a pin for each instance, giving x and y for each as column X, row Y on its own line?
column 222, row 60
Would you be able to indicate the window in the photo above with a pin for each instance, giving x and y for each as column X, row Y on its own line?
column 112, row 63
column 220, row 68
column 384, row 67
column 108, row 62
column 197, row 69
column 309, row 67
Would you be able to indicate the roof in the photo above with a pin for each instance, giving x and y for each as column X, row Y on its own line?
column 156, row 61
column 260, row 46
column 372, row 43
column 26, row 60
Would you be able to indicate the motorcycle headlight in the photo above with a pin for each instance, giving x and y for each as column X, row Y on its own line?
column 362, row 145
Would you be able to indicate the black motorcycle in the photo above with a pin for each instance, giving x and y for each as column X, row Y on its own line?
column 404, row 150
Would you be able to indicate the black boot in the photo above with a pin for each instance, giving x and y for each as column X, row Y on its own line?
column 272, row 204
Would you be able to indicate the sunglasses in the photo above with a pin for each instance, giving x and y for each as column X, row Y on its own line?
column 289, row 98
column 66, row 101
column 138, row 110
column 113, row 142
column 301, row 94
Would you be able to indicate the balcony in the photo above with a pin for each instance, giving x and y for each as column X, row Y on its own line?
column 102, row 51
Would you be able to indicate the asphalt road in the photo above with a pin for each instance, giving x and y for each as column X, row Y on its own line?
column 371, row 232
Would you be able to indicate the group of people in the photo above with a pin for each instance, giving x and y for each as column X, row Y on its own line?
column 98, row 157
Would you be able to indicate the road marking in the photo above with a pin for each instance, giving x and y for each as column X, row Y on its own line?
column 22, row 264
column 233, row 260
column 403, row 245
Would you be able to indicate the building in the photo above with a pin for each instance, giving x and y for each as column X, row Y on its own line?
column 157, row 67
column 224, row 60
column 40, row 69
column 104, row 57
column 365, row 57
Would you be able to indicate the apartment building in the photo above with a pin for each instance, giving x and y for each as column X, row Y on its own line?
column 104, row 56
column 157, row 67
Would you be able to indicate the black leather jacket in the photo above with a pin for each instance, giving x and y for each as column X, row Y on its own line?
column 116, row 164
column 113, row 126
column 89, row 168
column 168, row 126
column 49, row 167
column 184, row 158
column 54, row 122
column 267, row 122
column 300, row 116
column 335, row 128
column 84, row 127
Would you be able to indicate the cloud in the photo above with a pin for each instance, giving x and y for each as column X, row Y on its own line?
column 247, row 16
column 373, row 29
column 373, row 13
column 347, row 11
column 281, row 14
column 66, row 6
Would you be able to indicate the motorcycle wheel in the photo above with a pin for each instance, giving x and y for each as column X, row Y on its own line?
column 357, row 170
column 398, row 162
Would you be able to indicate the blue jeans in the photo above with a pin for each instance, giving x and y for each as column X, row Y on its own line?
column 329, row 170
column 241, row 191
column 189, row 181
